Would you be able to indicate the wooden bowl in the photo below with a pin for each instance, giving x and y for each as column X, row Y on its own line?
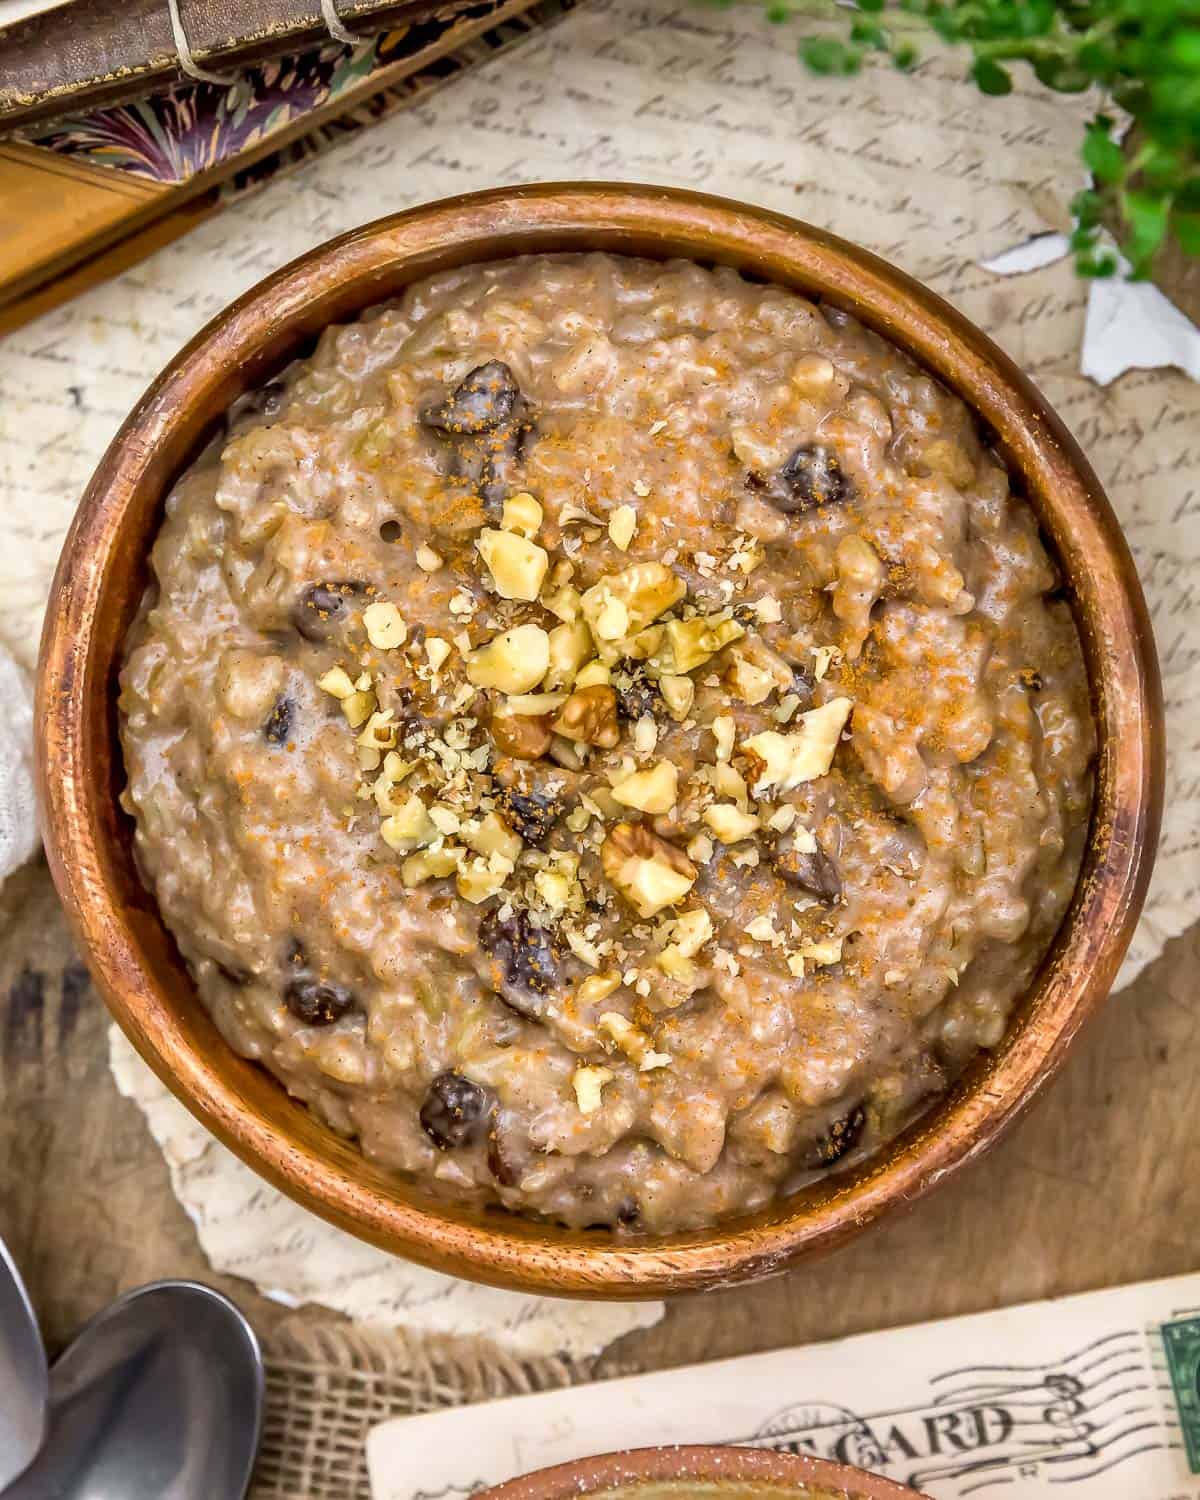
column 702, row 1473
column 101, row 577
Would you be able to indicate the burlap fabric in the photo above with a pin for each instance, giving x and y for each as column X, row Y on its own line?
column 328, row 1386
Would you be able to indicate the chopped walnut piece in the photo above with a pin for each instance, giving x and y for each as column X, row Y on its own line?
column 621, row 526
column 724, row 727
column 597, row 987
column 517, row 566
column 693, row 642
column 478, row 879
column 410, row 827
column 654, row 790
column 429, row 864
column 648, row 872
column 570, row 648
column 521, row 513
column 593, row 674
column 632, row 1041
column 588, row 1083
column 589, row 716
column 827, row 951
column 678, row 693
column 730, row 824
column 564, row 603
column 492, row 835
column 520, row 735
column 336, row 682
column 784, row 761
column 437, row 651
column 358, row 708
column 643, row 592
column 691, row 930
column 514, row 662
column 385, row 626
column 534, row 705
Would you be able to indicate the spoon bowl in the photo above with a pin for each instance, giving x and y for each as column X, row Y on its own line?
column 24, row 1378
column 159, row 1397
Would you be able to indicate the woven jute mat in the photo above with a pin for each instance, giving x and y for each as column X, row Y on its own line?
column 327, row 1386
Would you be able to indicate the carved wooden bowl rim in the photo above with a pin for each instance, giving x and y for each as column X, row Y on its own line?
column 101, row 575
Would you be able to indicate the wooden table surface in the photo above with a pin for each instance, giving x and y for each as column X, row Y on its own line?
column 1097, row 1186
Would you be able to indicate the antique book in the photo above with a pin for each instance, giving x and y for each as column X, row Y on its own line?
column 89, row 194
column 92, row 52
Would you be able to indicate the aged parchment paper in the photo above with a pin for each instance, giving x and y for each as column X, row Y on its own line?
column 919, row 168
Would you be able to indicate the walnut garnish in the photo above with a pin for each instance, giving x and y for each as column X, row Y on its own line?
column 517, row 565
column 693, row 642
column 729, row 823
column 647, row 871
column 632, row 1041
column 570, row 646
column 589, row 716
column 514, row 662
column 785, row 761
column 521, row 513
column 654, row 790
column 385, row 626
column 621, row 526
column 588, row 1084
column 521, row 736
column 630, row 600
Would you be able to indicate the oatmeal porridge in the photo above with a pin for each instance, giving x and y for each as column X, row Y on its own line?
column 606, row 736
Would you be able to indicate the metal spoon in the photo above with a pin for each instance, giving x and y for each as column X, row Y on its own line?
column 24, row 1379
column 160, row 1397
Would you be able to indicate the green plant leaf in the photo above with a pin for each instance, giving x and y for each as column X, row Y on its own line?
column 1103, row 156
column 825, row 55
column 991, row 77
column 1143, row 58
column 1187, row 232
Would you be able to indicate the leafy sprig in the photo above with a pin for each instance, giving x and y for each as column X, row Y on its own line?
column 1144, row 55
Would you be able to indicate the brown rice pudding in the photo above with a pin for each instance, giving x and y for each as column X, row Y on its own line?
column 606, row 735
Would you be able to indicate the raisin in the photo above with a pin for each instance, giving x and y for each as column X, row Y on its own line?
column 811, row 477
column 531, row 814
column 484, row 399
column 500, row 1163
column 486, row 423
column 267, row 401
column 801, row 684
column 814, row 872
column 628, row 1212
column 639, row 697
column 316, row 1002
column 278, row 723
column 501, row 452
column 455, row 1111
column 322, row 607
column 841, row 1137
column 523, row 967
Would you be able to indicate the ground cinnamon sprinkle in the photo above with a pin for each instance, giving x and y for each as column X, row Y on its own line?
column 420, row 905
